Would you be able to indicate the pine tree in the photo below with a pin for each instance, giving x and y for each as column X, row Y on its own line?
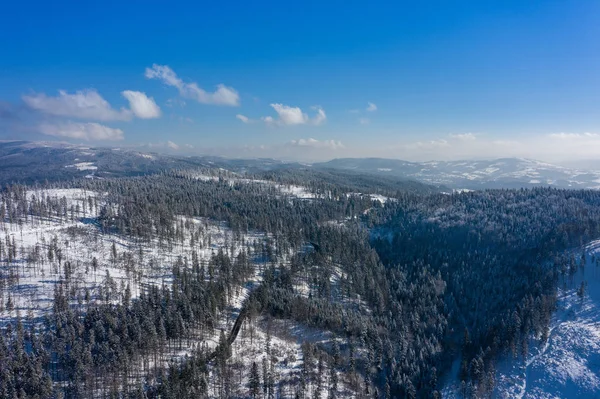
column 254, row 381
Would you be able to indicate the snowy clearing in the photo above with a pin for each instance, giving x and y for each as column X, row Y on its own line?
column 83, row 166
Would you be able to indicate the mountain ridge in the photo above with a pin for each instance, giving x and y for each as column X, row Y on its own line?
column 475, row 174
column 29, row 161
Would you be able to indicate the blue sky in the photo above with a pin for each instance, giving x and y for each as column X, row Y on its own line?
column 460, row 79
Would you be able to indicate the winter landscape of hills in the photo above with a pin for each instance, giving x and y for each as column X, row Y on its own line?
column 23, row 161
column 135, row 274
column 301, row 200
column 474, row 175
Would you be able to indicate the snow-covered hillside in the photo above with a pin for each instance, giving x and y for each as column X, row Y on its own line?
column 39, row 256
column 498, row 173
column 233, row 178
column 567, row 365
column 40, row 266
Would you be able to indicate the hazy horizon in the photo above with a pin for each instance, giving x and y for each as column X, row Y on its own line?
column 166, row 149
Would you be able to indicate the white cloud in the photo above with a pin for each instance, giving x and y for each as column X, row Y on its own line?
column 141, row 105
column 172, row 145
column 243, row 118
column 364, row 121
column 222, row 96
column 89, row 104
column 371, row 107
column 294, row 116
column 313, row 143
column 290, row 115
column 464, row 136
column 82, row 131
column 83, row 104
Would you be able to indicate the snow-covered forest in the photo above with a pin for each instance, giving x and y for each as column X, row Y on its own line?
column 205, row 283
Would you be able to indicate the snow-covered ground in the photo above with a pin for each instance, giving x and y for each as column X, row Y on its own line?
column 232, row 178
column 31, row 280
column 382, row 199
column 280, row 342
column 83, row 166
column 80, row 241
column 568, row 364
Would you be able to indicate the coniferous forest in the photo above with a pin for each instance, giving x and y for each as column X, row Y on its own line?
column 197, row 283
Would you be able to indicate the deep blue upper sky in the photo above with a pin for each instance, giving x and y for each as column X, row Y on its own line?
column 448, row 79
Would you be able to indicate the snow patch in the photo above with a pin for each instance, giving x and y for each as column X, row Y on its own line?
column 83, row 166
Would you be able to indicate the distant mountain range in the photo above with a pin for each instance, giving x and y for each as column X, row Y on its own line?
column 27, row 162
column 473, row 175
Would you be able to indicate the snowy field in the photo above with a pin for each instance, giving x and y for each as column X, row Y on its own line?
column 83, row 166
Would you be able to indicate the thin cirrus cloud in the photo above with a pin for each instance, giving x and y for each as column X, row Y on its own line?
column 243, row 118
column 223, row 95
column 89, row 104
column 82, row 131
column 371, row 107
column 320, row 117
